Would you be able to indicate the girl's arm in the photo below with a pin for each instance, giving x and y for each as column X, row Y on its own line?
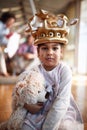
column 61, row 103
column 33, row 108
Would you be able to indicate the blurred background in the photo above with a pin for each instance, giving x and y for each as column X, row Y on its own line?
column 75, row 53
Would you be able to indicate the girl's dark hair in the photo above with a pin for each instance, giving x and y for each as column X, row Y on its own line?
column 6, row 16
column 61, row 44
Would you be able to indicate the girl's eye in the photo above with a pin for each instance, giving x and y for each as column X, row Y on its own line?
column 55, row 48
column 38, row 91
column 44, row 48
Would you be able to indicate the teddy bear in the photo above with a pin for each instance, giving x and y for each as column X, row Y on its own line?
column 29, row 89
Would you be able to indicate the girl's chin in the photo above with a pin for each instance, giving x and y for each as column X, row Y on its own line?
column 49, row 67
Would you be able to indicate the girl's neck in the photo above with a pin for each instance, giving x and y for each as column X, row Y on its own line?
column 47, row 68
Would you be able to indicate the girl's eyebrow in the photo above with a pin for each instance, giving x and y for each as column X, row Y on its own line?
column 55, row 44
column 48, row 45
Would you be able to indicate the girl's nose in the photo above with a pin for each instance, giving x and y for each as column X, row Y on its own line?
column 50, row 51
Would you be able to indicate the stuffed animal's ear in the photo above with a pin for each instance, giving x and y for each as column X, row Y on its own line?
column 73, row 22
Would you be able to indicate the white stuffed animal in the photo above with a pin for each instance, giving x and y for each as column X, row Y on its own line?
column 30, row 89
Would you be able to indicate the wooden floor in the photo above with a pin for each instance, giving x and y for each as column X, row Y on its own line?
column 79, row 90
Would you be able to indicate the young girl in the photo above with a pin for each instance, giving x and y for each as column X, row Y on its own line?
column 60, row 111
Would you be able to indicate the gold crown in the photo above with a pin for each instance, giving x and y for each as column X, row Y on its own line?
column 47, row 27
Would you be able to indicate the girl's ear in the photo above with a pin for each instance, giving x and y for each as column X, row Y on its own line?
column 62, row 52
column 38, row 51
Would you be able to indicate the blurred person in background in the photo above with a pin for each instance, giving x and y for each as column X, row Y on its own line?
column 7, row 20
column 26, row 55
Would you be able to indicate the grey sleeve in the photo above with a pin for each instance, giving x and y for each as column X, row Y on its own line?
column 61, row 103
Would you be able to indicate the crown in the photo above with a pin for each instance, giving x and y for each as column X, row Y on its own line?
column 47, row 27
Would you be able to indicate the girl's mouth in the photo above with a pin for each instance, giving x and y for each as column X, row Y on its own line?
column 49, row 59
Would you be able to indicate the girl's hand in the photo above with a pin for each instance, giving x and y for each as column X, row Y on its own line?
column 33, row 108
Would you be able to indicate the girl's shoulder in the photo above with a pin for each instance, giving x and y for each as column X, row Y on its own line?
column 61, row 67
column 65, row 70
column 64, row 66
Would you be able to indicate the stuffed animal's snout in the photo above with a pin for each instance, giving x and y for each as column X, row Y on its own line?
column 47, row 95
column 41, row 96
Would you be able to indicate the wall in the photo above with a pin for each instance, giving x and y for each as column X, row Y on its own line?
column 71, row 51
column 82, row 48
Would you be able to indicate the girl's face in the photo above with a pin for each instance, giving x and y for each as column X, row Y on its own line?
column 49, row 54
column 10, row 22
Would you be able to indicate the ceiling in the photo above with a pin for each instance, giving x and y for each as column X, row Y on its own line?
column 56, row 6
